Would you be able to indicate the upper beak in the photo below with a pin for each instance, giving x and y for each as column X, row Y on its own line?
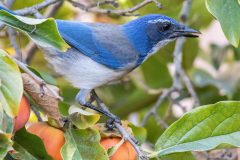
column 185, row 32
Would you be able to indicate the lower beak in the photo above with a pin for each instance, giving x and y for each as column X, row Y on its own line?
column 186, row 32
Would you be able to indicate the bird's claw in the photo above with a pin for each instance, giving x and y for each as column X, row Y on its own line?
column 110, row 122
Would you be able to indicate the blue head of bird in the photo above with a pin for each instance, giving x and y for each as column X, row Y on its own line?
column 150, row 33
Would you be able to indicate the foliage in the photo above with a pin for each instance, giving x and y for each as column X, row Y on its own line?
column 204, row 128
column 228, row 14
column 42, row 31
column 213, row 70
column 11, row 85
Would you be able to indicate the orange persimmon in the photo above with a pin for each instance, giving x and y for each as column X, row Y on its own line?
column 53, row 138
column 124, row 152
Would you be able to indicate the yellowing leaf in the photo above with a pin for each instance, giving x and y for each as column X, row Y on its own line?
column 82, row 119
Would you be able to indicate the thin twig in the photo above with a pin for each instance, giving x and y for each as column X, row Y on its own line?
column 52, row 10
column 9, row 3
column 101, row 3
column 155, row 107
column 178, row 54
column 13, row 40
column 126, row 12
column 31, row 48
column 127, row 137
column 178, row 76
column 37, row 114
column 33, row 9
column 40, row 81
column 38, row 15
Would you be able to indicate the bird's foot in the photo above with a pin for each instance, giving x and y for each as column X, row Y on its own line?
column 110, row 124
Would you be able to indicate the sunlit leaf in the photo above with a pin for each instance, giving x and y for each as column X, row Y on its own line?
column 83, row 145
column 228, row 14
column 139, row 133
column 44, row 32
column 82, row 119
column 201, row 129
column 11, row 87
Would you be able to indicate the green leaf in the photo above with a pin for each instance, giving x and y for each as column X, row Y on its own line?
column 139, row 133
column 43, row 32
column 201, row 129
column 5, row 144
column 21, row 153
column 83, row 145
column 32, row 144
column 228, row 14
column 63, row 108
column 82, row 119
column 11, row 87
column 6, row 122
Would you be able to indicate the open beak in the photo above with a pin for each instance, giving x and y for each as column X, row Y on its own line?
column 185, row 32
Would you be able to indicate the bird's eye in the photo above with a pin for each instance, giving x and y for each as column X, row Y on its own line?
column 166, row 26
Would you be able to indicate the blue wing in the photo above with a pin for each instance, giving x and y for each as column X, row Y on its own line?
column 104, row 43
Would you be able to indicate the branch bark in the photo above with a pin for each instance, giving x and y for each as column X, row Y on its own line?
column 127, row 12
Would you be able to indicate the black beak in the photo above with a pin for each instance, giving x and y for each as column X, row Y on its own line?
column 185, row 32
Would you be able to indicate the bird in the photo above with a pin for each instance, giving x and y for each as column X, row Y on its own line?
column 103, row 53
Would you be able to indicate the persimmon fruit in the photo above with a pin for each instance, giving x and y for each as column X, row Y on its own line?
column 53, row 138
column 124, row 152
column 23, row 114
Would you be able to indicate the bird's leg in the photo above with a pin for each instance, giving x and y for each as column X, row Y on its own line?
column 115, row 121
column 81, row 98
column 110, row 122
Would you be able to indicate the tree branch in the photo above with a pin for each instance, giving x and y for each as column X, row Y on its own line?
column 179, row 73
column 31, row 48
column 127, row 12
column 13, row 40
column 9, row 3
column 33, row 9
column 127, row 137
column 40, row 81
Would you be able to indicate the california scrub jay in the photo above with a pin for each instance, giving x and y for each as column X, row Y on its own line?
column 101, row 53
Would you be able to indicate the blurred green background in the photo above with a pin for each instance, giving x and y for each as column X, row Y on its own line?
column 210, row 61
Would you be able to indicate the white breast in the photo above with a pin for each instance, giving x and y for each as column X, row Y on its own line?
column 81, row 70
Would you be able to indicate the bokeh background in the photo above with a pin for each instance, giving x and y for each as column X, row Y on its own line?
column 210, row 61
